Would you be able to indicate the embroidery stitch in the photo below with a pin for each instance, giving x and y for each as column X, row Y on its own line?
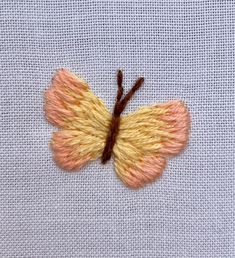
column 118, row 109
column 140, row 142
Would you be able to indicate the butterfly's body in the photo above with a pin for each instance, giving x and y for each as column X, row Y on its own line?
column 140, row 142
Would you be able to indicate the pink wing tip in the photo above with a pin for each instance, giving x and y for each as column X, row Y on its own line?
column 67, row 156
column 178, row 120
column 145, row 171
column 65, row 89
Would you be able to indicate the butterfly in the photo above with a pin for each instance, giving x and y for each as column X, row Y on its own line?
column 140, row 142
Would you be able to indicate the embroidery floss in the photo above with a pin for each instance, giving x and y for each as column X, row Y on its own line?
column 118, row 109
column 140, row 142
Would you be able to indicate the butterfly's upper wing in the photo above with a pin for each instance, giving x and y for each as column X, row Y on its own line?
column 146, row 138
column 82, row 117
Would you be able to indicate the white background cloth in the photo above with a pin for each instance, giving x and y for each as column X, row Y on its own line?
column 185, row 50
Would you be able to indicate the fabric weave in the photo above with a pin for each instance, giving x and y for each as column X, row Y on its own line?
column 185, row 50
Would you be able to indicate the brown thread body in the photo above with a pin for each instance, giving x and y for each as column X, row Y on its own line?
column 120, row 105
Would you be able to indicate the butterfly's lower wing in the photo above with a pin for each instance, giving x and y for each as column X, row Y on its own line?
column 146, row 138
column 82, row 118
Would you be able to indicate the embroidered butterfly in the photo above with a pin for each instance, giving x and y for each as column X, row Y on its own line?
column 140, row 142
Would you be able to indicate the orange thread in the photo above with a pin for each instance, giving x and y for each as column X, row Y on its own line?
column 140, row 142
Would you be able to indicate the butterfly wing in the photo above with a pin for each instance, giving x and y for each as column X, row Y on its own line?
column 82, row 118
column 146, row 138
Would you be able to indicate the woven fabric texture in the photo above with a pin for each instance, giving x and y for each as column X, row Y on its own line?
column 185, row 50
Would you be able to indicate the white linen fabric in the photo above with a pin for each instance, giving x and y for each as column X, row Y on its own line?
column 185, row 50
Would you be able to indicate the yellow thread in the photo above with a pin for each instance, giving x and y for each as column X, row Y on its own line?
column 146, row 137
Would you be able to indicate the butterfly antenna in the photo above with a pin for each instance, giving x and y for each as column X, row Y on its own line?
column 119, row 83
column 118, row 108
column 129, row 95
